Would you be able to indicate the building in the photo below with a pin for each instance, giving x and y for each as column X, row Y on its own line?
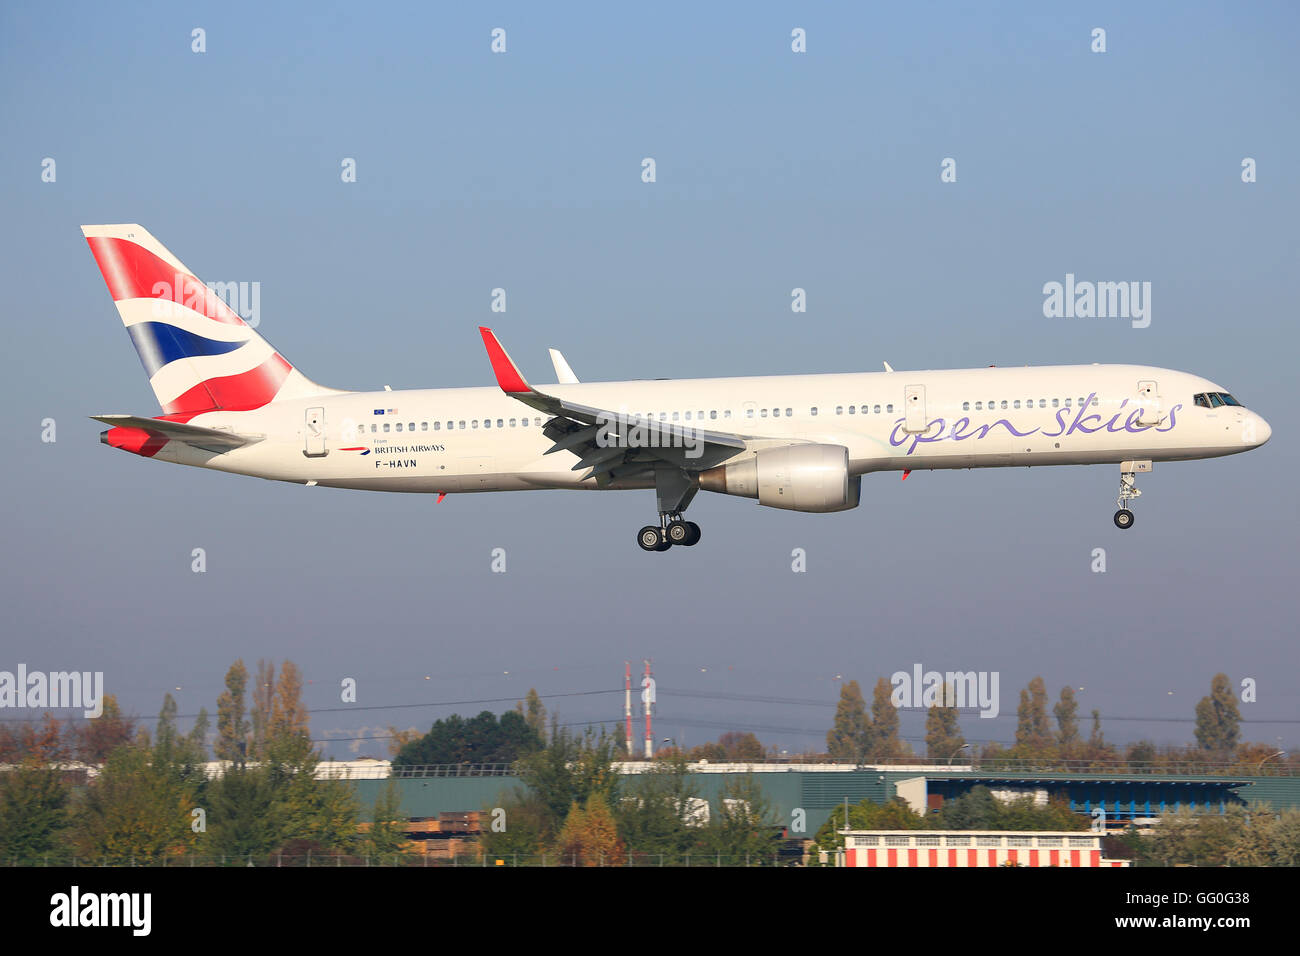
column 974, row 848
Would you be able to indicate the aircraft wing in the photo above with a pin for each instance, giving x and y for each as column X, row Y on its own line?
column 209, row 439
column 608, row 441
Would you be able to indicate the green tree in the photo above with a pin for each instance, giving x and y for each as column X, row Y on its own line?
column 1218, row 721
column 850, row 737
column 387, row 833
column 943, row 737
column 885, row 742
column 657, row 812
column 868, row 815
column 481, row 739
column 568, row 770
column 731, row 747
column 133, row 810
column 1067, row 719
column 743, row 825
column 33, row 802
column 1032, row 733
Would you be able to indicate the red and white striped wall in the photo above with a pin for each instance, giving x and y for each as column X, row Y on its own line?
column 974, row 848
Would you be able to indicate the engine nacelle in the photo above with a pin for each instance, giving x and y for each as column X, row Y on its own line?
column 792, row 477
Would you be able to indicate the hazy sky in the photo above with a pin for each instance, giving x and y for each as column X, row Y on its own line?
column 775, row 170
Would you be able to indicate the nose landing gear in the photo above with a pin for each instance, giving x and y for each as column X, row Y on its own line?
column 1128, row 491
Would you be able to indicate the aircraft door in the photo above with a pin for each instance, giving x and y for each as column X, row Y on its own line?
column 1149, row 400
column 314, row 433
column 914, row 407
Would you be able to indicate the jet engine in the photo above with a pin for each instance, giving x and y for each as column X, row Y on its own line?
column 793, row 477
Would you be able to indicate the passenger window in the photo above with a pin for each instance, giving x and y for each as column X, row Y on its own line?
column 424, row 426
column 979, row 406
column 474, row 423
column 1067, row 403
column 965, row 406
column 437, row 426
column 1004, row 403
column 373, row 429
column 727, row 413
column 889, row 407
column 749, row 413
column 399, row 426
column 462, row 423
column 776, row 413
column 1096, row 402
column 487, row 423
column 385, row 426
column 813, row 411
column 713, row 414
column 839, row 409
column 1056, row 402
column 513, row 423
column 410, row 427
column 877, row 409
column 1016, row 403
column 688, row 416
column 762, row 413
column 853, row 409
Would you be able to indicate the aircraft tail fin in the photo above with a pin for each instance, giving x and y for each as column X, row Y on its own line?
column 199, row 354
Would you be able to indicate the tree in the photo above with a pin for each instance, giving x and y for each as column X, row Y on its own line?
column 1218, row 721
column 288, row 734
column 849, row 738
column 533, row 711
column 133, row 811
column 232, row 727
column 743, row 825
column 589, row 836
column 101, row 735
column 568, row 771
column 1067, row 719
column 731, row 747
column 657, row 811
column 263, row 693
column 885, row 743
column 33, row 801
column 482, row 739
column 1032, row 733
column 943, row 737
column 868, row 815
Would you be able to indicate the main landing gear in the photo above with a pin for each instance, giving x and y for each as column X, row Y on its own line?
column 671, row 530
column 1128, row 490
column 674, row 490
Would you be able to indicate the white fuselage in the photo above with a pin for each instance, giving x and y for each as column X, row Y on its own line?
column 476, row 439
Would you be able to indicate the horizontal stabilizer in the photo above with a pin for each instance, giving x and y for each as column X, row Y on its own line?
column 209, row 439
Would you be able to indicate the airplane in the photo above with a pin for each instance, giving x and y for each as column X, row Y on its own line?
column 233, row 403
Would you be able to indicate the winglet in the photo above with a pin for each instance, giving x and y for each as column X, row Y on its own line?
column 503, row 367
column 563, row 374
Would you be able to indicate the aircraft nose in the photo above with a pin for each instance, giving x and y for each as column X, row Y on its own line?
column 1262, row 431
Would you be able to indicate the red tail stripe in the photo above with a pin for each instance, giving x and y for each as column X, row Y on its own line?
column 234, row 393
column 133, row 272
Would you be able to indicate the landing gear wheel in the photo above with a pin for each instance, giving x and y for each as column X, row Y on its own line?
column 1123, row 519
column 651, row 538
column 695, row 534
column 679, row 532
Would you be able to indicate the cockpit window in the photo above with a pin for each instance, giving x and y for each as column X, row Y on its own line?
column 1215, row 400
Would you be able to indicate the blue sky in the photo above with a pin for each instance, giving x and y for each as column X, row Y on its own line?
column 775, row 170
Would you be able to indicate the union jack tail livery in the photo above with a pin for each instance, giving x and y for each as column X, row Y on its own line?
column 199, row 354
